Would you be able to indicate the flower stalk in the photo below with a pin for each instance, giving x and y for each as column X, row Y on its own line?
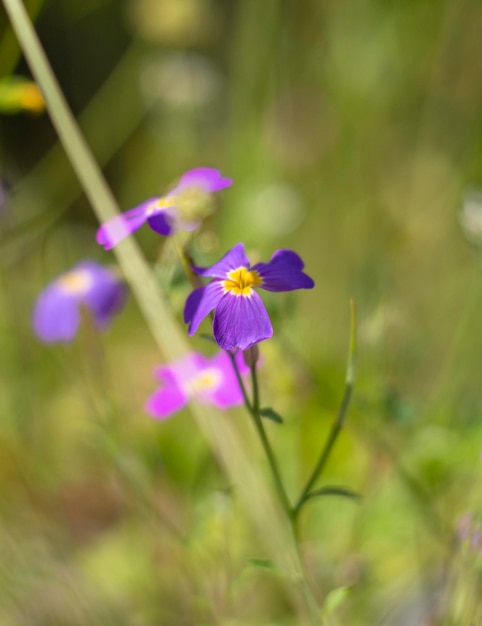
column 254, row 411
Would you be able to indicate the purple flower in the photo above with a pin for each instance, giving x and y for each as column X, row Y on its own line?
column 240, row 318
column 56, row 316
column 181, row 209
column 196, row 376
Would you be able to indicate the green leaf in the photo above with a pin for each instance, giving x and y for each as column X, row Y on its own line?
column 264, row 564
column 335, row 599
column 333, row 491
column 271, row 414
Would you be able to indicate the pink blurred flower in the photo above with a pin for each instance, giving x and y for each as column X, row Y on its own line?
column 210, row 380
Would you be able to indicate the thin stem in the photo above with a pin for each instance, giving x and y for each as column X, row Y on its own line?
column 253, row 409
column 339, row 421
column 240, row 382
column 325, row 454
column 254, row 383
column 272, row 462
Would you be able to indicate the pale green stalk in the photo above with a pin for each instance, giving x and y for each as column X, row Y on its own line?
column 265, row 512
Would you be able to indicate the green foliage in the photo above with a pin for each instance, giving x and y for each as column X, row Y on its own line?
column 352, row 132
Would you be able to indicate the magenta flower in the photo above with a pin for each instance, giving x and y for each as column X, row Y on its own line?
column 56, row 316
column 181, row 209
column 196, row 376
column 240, row 318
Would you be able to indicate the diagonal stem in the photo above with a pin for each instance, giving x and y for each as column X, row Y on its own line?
column 337, row 424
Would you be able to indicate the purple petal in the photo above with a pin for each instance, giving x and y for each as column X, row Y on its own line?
column 56, row 315
column 241, row 321
column 106, row 294
column 228, row 392
column 121, row 226
column 200, row 303
column 233, row 259
column 163, row 222
column 283, row 272
column 205, row 178
column 165, row 401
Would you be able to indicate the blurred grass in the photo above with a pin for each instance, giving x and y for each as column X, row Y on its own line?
column 365, row 120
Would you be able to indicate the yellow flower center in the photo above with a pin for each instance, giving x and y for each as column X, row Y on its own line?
column 192, row 204
column 76, row 283
column 240, row 281
column 161, row 203
column 206, row 380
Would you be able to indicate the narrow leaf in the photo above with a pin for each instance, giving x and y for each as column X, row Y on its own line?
column 264, row 564
column 271, row 414
column 333, row 491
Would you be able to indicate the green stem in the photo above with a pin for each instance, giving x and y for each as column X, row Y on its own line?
column 337, row 424
column 254, row 383
column 254, row 410
column 325, row 454
column 247, row 402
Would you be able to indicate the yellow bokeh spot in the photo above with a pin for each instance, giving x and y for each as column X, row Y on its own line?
column 241, row 280
column 20, row 94
column 76, row 283
column 30, row 98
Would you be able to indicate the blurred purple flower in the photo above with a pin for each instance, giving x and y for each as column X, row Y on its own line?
column 240, row 318
column 56, row 316
column 181, row 209
column 210, row 380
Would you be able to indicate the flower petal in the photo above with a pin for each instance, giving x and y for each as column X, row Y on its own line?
column 163, row 221
column 233, row 259
column 228, row 392
column 121, row 226
column 106, row 295
column 165, row 401
column 283, row 272
column 181, row 371
column 241, row 321
column 200, row 303
column 56, row 316
column 206, row 178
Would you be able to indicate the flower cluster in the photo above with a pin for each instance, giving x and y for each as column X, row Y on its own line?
column 240, row 319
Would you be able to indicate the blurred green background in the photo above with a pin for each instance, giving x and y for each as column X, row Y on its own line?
column 353, row 133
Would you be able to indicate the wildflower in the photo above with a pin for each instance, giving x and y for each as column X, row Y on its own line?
column 181, row 209
column 196, row 376
column 240, row 318
column 56, row 316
